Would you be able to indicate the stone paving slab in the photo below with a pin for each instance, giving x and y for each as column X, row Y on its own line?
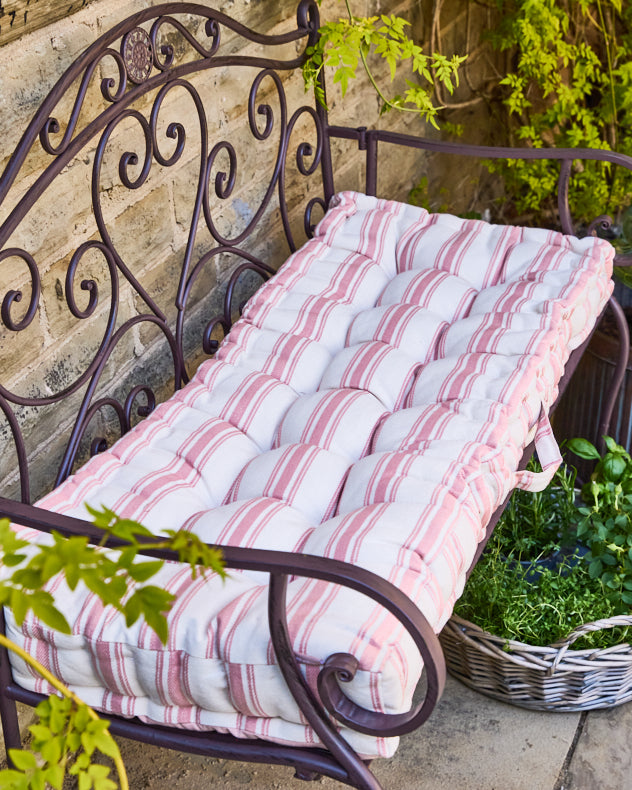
column 470, row 743
column 603, row 757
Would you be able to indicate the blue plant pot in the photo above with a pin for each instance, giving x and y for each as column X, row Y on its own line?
column 564, row 559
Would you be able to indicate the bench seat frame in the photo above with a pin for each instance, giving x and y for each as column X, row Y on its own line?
column 335, row 759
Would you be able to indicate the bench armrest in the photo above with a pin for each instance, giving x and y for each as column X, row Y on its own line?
column 340, row 667
column 368, row 140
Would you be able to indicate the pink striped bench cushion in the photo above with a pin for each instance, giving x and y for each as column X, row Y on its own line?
column 371, row 405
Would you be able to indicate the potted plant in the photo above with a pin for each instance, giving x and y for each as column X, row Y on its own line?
column 537, row 591
column 606, row 521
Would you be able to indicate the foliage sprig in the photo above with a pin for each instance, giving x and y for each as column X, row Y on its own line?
column 606, row 521
column 118, row 578
column 68, row 732
column 571, row 86
column 345, row 46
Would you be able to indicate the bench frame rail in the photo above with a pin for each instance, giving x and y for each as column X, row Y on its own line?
column 140, row 51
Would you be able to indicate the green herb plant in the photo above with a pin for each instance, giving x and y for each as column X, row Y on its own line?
column 571, row 86
column 606, row 520
column 346, row 45
column 68, row 734
column 535, row 524
column 505, row 597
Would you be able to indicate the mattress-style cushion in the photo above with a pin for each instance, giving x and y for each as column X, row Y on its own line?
column 371, row 405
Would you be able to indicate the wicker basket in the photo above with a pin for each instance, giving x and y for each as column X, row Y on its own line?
column 542, row 678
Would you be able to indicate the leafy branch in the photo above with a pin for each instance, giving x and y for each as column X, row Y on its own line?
column 116, row 577
column 346, row 45
column 571, row 86
column 66, row 725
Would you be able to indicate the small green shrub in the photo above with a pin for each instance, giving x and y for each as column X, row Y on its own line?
column 571, row 86
column 505, row 598
column 344, row 45
column 502, row 599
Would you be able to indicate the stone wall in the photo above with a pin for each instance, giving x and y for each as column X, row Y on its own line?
column 19, row 17
column 459, row 184
column 149, row 225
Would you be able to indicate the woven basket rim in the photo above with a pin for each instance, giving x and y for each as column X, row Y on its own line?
column 544, row 658
column 547, row 678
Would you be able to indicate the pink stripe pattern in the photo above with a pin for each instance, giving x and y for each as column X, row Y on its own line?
column 371, row 406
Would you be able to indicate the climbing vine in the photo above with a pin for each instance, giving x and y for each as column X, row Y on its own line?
column 570, row 86
column 345, row 45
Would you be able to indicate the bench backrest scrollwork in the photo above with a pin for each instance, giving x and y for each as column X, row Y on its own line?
column 137, row 188
column 172, row 157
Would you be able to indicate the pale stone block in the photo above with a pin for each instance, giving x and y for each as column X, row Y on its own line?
column 29, row 68
column 51, row 224
column 61, row 322
column 602, row 759
column 19, row 17
column 144, row 230
column 23, row 348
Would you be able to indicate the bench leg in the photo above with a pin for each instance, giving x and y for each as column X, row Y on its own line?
column 307, row 776
column 8, row 707
column 10, row 726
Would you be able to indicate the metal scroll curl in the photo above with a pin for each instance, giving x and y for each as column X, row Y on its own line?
column 604, row 223
column 164, row 53
column 308, row 224
column 111, row 89
column 305, row 151
column 125, row 411
column 264, row 110
column 128, row 159
column 224, row 181
column 307, row 17
column 341, row 667
column 175, row 130
column 224, row 321
column 88, row 285
column 91, row 286
column 12, row 296
column 601, row 223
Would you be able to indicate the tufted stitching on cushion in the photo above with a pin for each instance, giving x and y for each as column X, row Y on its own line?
column 322, row 370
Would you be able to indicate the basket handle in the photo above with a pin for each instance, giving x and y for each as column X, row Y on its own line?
column 548, row 455
column 622, row 620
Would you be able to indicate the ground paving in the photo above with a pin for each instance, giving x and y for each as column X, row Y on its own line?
column 470, row 743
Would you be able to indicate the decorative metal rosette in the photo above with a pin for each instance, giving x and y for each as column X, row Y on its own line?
column 136, row 50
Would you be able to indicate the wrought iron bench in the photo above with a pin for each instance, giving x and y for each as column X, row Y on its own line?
column 386, row 386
